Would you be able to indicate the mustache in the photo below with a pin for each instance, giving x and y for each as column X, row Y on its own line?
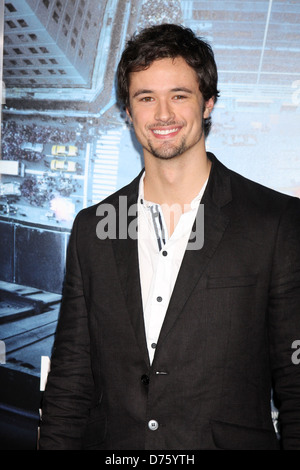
column 165, row 124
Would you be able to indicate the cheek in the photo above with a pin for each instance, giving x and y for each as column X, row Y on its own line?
column 140, row 120
column 194, row 118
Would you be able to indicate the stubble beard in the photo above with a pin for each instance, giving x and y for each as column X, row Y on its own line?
column 167, row 151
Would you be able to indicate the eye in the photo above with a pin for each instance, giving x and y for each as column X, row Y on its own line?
column 179, row 97
column 147, row 99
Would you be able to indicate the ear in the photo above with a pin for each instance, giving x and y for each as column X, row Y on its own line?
column 128, row 113
column 208, row 107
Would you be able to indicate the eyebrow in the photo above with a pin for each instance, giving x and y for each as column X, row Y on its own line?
column 182, row 88
column 142, row 92
column 173, row 90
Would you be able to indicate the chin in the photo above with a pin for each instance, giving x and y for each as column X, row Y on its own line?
column 167, row 153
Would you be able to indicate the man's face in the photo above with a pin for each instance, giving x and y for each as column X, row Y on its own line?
column 167, row 108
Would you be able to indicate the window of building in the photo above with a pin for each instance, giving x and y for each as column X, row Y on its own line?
column 18, row 51
column 59, row 5
column 33, row 50
column 52, row 72
column 44, row 50
column 55, row 16
column 27, row 61
column 22, row 23
column 67, row 18
column 33, row 37
column 62, row 72
column 46, row 3
column 11, row 24
column 10, row 7
column 37, row 72
column 73, row 43
column 53, row 61
column 42, row 61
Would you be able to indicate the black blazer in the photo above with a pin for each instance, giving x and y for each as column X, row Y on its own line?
column 225, row 342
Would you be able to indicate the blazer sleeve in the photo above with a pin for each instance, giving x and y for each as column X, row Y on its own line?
column 69, row 389
column 284, row 324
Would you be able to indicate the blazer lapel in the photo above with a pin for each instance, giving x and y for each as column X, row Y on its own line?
column 217, row 194
column 126, row 255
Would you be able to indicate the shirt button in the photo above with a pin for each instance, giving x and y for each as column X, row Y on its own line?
column 153, row 425
column 164, row 253
column 153, row 345
column 145, row 379
column 159, row 299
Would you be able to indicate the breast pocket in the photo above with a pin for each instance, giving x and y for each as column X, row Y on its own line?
column 222, row 282
column 231, row 300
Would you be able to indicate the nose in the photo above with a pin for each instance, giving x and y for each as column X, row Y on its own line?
column 164, row 111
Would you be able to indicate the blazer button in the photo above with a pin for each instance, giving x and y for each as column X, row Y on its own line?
column 145, row 379
column 153, row 425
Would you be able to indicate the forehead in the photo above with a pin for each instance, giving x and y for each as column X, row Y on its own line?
column 164, row 74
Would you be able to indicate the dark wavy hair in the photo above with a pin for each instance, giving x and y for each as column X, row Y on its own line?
column 169, row 41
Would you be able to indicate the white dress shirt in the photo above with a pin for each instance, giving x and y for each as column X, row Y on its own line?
column 160, row 259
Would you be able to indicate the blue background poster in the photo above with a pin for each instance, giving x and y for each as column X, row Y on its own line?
column 65, row 144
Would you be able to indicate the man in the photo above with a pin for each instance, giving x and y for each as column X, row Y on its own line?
column 175, row 338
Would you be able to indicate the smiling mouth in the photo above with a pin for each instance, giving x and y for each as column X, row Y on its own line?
column 165, row 131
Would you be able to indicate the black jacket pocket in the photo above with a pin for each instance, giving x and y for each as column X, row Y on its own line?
column 229, row 436
column 96, row 428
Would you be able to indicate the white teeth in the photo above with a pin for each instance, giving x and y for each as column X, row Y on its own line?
column 165, row 131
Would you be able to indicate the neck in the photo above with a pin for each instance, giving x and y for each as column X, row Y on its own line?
column 175, row 181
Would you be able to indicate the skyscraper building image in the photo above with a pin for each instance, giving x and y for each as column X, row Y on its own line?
column 51, row 43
